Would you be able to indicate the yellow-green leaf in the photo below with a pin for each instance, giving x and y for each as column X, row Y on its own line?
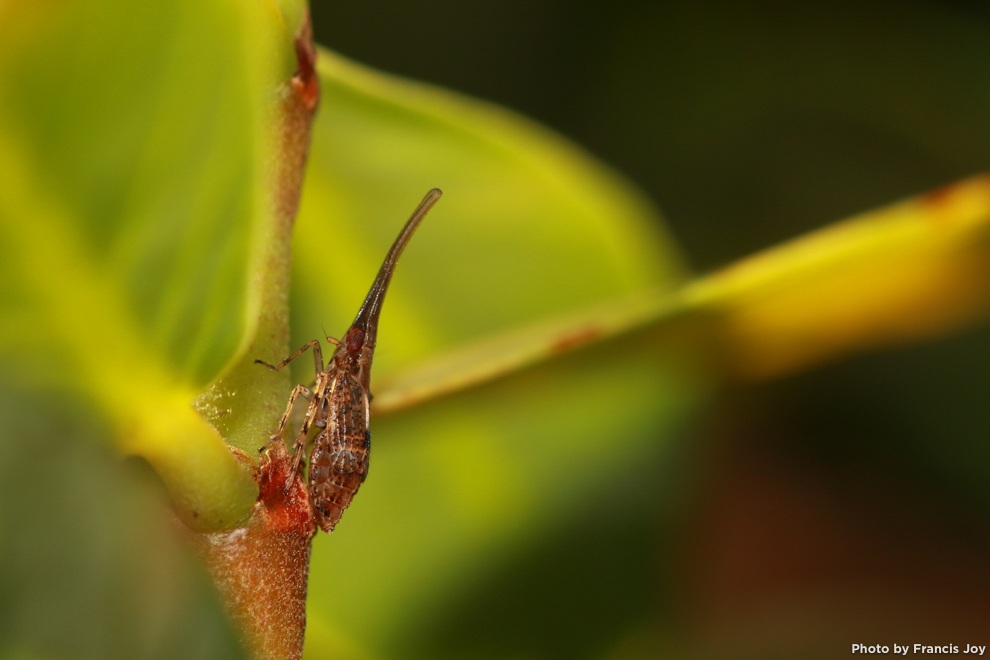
column 906, row 272
column 134, row 209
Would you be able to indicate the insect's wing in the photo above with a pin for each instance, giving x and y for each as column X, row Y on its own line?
column 339, row 463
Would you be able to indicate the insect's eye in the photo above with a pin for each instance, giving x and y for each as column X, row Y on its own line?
column 355, row 339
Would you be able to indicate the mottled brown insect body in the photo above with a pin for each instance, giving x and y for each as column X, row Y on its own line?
column 340, row 398
column 340, row 458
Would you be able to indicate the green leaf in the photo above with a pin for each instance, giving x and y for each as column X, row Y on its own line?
column 910, row 271
column 528, row 221
column 133, row 210
column 529, row 226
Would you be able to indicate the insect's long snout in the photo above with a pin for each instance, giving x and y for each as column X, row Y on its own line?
column 367, row 316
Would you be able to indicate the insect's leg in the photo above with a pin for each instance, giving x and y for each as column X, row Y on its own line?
column 317, row 357
column 299, row 447
column 297, row 391
column 297, row 459
column 321, row 416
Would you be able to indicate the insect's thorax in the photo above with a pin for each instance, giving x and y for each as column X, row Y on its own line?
column 356, row 364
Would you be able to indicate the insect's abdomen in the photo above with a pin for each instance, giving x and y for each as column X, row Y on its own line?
column 339, row 463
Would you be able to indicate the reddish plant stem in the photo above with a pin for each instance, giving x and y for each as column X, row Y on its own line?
column 261, row 569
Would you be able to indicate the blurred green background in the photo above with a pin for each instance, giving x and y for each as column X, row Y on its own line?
column 844, row 505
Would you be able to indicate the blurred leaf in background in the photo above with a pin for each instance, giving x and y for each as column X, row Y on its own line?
column 90, row 566
column 860, row 482
column 529, row 227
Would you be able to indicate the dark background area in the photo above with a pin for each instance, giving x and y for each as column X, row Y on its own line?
column 748, row 123
column 844, row 505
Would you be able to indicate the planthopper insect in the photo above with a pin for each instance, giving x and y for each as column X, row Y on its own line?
column 340, row 397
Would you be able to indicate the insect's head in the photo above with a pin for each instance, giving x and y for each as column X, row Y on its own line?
column 350, row 351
